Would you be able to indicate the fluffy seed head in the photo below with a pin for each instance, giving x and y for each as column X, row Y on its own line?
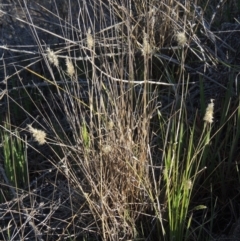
column 90, row 40
column 106, row 149
column 70, row 67
column 39, row 136
column 52, row 57
column 181, row 38
column 188, row 184
column 110, row 125
column 209, row 113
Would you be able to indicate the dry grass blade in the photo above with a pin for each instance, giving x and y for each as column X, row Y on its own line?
column 3, row 93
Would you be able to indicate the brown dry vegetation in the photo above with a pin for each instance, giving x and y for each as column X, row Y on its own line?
column 107, row 99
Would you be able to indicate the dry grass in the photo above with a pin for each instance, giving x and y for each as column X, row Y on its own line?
column 122, row 145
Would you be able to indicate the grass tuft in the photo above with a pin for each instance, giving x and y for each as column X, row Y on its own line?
column 127, row 143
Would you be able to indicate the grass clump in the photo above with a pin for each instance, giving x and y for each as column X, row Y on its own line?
column 15, row 158
column 127, row 142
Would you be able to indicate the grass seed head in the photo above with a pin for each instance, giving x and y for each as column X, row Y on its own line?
column 110, row 125
column 106, row 149
column 188, row 184
column 90, row 40
column 70, row 67
column 39, row 136
column 181, row 38
column 209, row 113
column 52, row 57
